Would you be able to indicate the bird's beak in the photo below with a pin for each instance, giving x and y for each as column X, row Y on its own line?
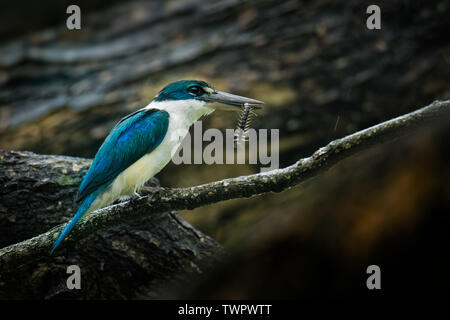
column 229, row 99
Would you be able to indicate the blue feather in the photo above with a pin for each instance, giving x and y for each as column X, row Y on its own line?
column 80, row 213
column 133, row 137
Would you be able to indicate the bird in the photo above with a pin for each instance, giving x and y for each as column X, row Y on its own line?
column 143, row 142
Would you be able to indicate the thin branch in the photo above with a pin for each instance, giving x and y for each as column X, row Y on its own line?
column 168, row 199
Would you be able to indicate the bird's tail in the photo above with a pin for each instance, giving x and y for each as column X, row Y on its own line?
column 85, row 205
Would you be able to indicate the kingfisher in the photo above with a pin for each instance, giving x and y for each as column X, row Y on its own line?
column 142, row 144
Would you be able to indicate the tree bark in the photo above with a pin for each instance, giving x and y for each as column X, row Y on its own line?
column 37, row 193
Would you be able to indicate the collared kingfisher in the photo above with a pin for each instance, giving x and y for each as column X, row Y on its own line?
column 142, row 143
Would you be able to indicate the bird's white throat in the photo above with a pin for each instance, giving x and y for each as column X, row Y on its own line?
column 188, row 111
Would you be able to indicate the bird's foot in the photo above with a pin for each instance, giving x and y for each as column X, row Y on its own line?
column 137, row 195
column 149, row 192
column 121, row 199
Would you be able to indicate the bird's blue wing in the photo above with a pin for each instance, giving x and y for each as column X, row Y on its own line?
column 132, row 138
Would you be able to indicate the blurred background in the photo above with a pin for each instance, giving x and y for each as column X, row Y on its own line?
column 322, row 75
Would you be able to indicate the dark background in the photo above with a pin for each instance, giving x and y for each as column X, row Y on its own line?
column 322, row 75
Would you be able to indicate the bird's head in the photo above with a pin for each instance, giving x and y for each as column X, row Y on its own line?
column 202, row 92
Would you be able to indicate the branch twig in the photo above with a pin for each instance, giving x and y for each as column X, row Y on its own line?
column 163, row 200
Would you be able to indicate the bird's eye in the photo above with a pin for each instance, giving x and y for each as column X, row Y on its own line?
column 195, row 90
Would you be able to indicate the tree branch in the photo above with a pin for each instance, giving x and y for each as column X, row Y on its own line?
column 167, row 199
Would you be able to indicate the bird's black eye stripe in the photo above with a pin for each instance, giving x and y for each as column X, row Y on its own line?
column 195, row 90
